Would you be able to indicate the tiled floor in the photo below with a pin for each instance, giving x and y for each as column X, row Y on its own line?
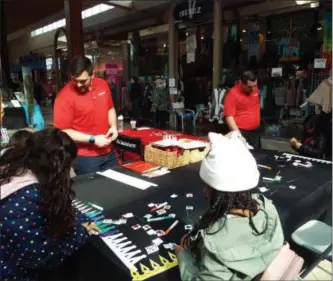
column 322, row 272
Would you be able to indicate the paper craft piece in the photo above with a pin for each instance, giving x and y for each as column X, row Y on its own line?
column 292, row 187
column 148, row 216
column 263, row 189
column 160, row 233
column 189, row 207
column 170, row 246
column 174, row 196
column 132, row 181
column 320, row 63
column 128, row 216
column 136, row 226
column 151, row 249
column 151, row 205
column 116, row 222
column 146, row 227
column 151, row 232
column 124, row 250
column 157, row 241
column 188, row 227
column 161, row 212
column 189, row 195
column 167, row 207
column 290, row 156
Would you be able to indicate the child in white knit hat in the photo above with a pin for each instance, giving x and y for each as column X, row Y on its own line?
column 240, row 234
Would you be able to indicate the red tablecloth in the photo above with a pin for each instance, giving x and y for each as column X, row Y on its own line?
column 150, row 135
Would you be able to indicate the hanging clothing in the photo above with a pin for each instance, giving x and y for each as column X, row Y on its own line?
column 322, row 97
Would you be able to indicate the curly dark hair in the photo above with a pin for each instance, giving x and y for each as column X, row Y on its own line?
column 48, row 154
column 19, row 138
column 223, row 203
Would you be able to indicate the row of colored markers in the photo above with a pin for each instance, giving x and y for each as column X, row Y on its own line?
column 95, row 214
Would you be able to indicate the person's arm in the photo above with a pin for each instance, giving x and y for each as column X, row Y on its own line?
column 208, row 268
column 230, row 120
column 315, row 152
column 230, row 111
column 112, row 116
column 112, row 133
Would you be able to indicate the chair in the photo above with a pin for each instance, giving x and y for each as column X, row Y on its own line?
column 316, row 237
column 179, row 110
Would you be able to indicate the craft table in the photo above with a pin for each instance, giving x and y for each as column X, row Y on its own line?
column 309, row 200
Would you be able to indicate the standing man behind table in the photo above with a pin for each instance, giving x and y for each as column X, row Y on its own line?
column 242, row 108
column 84, row 110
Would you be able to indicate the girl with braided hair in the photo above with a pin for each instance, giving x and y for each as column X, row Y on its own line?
column 240, row 234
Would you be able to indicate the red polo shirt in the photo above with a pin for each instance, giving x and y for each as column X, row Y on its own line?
column 244, row 108
column 86, row 113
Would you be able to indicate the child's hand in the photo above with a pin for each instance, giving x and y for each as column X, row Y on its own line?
column 91, row 227
column 179, row 249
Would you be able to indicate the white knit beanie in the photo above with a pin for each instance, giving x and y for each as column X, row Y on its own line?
column 229, row 166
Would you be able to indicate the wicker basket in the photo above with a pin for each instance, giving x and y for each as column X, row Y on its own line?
column 168, row 159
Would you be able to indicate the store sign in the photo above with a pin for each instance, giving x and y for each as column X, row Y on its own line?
column 192, row 10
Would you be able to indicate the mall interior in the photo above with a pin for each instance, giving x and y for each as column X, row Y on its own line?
column 160, row 40
column 198, row 50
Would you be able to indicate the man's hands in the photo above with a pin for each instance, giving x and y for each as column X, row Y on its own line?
column 102, row 141
column 112, row 134
column 105, row 140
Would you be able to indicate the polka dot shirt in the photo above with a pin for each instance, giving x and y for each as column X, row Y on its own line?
column 25, row 248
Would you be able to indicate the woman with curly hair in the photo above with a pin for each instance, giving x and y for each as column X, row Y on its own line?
column 240, row 234
column 39, row 227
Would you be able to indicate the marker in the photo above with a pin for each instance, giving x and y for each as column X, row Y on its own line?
column 95, row 206
column 98, row 218
column 265, row 167
column 159, row 206
column 106, row 229
column 171, row 228
column 109, row 233
column 171, row 216
column 93, row 214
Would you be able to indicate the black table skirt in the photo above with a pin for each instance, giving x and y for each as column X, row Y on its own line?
column 14, row 118
column 310, row 200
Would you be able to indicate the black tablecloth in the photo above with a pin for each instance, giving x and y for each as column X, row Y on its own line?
column 310, row 199
column 14, row 118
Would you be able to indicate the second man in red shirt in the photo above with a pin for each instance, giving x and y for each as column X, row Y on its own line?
column 242, row 108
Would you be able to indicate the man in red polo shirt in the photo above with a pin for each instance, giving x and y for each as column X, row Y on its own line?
column 242, row 108
column 84, row 110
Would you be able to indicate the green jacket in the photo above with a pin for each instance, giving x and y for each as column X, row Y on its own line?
column 160, row 99
column 235, row 252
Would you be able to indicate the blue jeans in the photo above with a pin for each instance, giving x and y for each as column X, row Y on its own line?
column 92, row 164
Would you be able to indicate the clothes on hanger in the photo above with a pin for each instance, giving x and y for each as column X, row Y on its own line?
column 215, row 111
column 322, row 97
